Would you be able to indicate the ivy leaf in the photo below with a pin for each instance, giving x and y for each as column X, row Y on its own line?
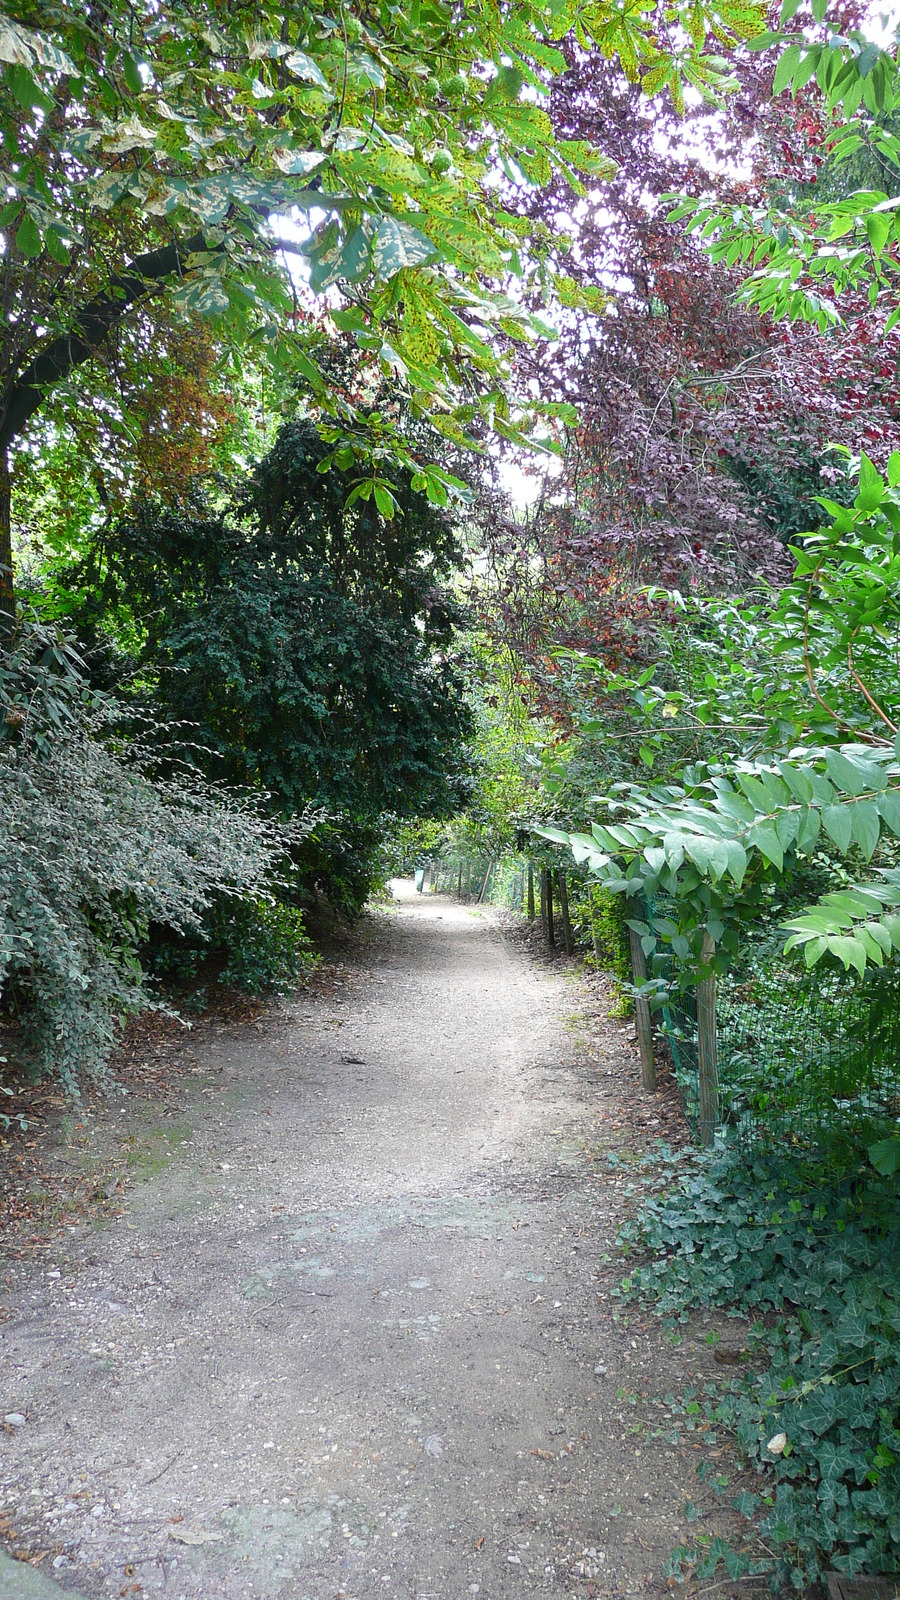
column 885, row 1156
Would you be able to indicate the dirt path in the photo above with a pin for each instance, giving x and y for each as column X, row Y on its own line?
column 348, row 1343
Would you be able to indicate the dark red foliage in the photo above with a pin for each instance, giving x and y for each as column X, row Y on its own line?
column 704, row 428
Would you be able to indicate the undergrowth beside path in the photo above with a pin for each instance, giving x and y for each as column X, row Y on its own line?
column 815, row 1405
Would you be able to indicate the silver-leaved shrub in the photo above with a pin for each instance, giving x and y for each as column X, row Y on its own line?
column 95, row 846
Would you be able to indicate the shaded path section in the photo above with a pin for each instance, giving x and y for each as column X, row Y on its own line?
column 346, row 1344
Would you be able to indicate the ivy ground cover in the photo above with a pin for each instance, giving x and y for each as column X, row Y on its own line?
column 815, row 1409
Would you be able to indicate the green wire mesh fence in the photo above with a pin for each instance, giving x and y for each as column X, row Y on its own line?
column 807, row 1062
column 489, row 881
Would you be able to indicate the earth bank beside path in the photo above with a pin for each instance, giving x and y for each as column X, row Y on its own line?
column 351, row 1341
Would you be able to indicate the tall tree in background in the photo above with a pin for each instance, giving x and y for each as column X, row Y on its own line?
column 310, row 646
column 704, row 429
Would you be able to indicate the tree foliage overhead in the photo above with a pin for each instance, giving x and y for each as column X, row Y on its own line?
column 813, row 253
column 703, row 430
column 150, row 148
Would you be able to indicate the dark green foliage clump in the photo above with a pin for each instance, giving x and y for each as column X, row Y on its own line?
column 307, row 643
column 820, row 1271
column 269, row 950
column 257, row 945
column 604, row 917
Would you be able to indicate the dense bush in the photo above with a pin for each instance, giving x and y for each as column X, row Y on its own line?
column 257, row 945
column 310, row 644
column 269, row 949
column 96, row 847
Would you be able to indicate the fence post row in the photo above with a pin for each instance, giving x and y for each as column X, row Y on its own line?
column 707, row 1047
column 562, row 886
column 643, row 1025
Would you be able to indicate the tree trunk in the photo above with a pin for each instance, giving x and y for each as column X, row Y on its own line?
column 643, row 1026
column 563, row 888
column 7, row 586
column 531, row 890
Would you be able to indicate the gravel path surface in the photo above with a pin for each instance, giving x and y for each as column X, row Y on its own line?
column 348, row 1343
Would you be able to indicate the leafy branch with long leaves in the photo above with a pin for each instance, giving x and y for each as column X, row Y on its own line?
column 711, row 840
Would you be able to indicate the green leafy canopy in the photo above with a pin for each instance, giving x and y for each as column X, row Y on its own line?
column 159, row 147
column 803, row 255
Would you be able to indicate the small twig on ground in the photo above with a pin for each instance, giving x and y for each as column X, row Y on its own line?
column 163, row 1470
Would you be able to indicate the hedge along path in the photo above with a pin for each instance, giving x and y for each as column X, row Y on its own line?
column 357, row 1335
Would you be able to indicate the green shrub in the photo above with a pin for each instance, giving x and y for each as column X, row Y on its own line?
column 95, row 847
column 602, row 915
column 269, row 950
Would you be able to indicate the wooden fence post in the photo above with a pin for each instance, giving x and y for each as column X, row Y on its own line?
column 485, row 884
column 459, row 881
column 531, row 889
column 707, row 1048
column 596, row 891
column 643, row 1025
column 547, row 898
column 563, row 888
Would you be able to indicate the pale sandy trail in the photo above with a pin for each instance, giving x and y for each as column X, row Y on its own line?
column 349, row 1337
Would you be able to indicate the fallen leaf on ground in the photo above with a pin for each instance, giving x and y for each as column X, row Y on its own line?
column 195, row 1536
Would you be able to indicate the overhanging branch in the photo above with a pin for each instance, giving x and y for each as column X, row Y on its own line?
column 91, row 326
